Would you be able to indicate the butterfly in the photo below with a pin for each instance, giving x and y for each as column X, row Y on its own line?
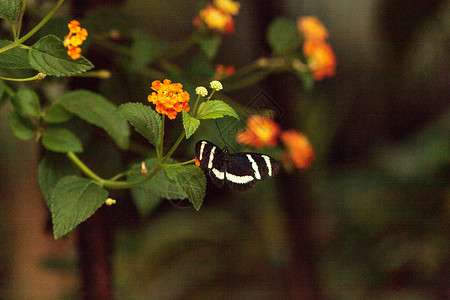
column 239, row 170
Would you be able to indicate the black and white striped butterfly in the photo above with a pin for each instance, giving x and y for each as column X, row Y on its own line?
column 239, row 170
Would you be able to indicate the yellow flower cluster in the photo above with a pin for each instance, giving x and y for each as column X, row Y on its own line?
column 218, row 16
column 170, row 99
column 75, row 39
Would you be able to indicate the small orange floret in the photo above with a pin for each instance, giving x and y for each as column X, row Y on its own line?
column 169, row 98
column 312, row 29
column 197, row 162
column 320, row 58
column 261, row 131
column 299, row 149
column 74, row 39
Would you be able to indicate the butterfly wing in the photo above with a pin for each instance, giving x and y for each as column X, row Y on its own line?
column 212, row 159
column 263, row 164
column 239, row 172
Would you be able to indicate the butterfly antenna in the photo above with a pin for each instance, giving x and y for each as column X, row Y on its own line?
column 220, row 132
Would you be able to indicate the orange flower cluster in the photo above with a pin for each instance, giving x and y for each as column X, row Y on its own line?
column 75, row 39
column 218, row 16
column 262, row 131
column 319, row 54
column 298, row 147
column 170, row 99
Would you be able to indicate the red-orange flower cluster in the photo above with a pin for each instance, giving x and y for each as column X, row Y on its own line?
column 319, row 54
column 170, row 99
column 224, row 71
column 262, row 131
column 321, row 59
column 75, row 39
column 298, row 147
column 218, row 16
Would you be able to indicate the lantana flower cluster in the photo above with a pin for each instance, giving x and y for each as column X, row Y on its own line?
column 263, row 131
column 75, row 39
column 319, row 55
column 169, row 98
column 218, row 16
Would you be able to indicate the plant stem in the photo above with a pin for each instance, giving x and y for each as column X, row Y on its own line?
column 195, row 105
column 85, row 169
column 174, row 147
column 9, row 90
column 36, row 77
column 19, row 24
column 161, row 142
column 109, row 183
column 249, row 80
column 181, row 163
column 34, row 30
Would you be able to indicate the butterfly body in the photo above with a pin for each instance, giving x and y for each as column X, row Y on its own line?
column 239, row 170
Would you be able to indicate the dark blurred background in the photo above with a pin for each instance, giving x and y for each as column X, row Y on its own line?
column 368, row 220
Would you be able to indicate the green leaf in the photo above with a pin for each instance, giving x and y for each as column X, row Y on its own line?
column 146, row 48
column 215, row 109
column 190, row 124
column 49, row 56
column 159, row 186
column 74, row 200
column 61, row 140
column 52, row 168
column 97, row 110
column 145, row 202
column 144, row 119
column 191, row 180
column 27, row 103
column 22, row 127
column 16, row 58
column 9, row 9
column 283, row 36
column 209, row 44
column 56, row 114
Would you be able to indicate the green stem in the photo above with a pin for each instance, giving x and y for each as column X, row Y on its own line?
column 174, row 147
column 19, row 24
column 114, row 178
column 195, row 105
column 161, row 142
column 34, row 30
column 111, row 183
column 207, row 99
column 14, row 31
column 181, row 163
column 102, row 74
column 244, row 71
column 9, row 90
column 36, row 77
column 85, row 169
column 249, row 80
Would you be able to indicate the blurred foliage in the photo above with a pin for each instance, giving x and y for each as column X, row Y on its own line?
column 380, row 221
